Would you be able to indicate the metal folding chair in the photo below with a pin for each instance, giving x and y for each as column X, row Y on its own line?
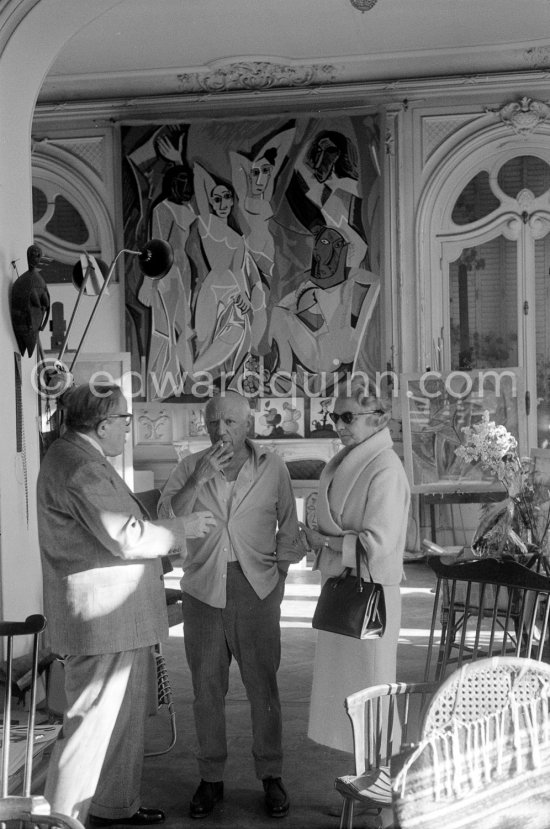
column 164, row 698
column 149, row 500
column 24, row 810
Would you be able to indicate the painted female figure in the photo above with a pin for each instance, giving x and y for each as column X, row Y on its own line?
column 169, row 350
column 329, row 174
column 254, row 177
column 230, row 312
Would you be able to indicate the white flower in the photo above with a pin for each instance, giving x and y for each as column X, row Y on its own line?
column 527, row 511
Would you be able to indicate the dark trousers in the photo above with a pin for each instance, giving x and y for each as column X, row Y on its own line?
column 248, row 628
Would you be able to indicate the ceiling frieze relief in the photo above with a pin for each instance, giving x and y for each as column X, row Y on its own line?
column 524, row 115
column 538, row 57
column 257, row 75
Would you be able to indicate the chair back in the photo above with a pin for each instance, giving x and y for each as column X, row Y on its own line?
column 26, row 811
column 32, row 626
column 383, row 719
column 484, row 756
column 486, row 688
column 485, row 608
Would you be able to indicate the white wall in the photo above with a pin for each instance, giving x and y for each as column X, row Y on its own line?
column 31, row 34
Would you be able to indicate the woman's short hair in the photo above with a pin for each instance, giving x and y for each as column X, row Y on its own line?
column 359, row 389
column 87, row 405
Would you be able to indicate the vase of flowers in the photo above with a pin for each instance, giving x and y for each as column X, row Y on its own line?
column 519, row 525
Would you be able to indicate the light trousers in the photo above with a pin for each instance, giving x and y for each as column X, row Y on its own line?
column 97, row 761
column 248, row 628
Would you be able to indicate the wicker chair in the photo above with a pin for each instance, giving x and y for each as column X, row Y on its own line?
column 383, row 719
column 484, row 756
column 25, row 810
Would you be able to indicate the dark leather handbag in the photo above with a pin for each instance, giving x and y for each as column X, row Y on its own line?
column 351, row 606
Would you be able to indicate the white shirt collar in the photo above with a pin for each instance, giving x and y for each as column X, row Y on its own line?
column 92, row 441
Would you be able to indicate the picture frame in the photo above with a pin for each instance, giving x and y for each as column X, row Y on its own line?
column 153, row 425
column 196, row 424
column 437, row 407
column 279, row 417
column 320, row 424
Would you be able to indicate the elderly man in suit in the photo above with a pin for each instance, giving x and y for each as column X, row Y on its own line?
column 105, row 605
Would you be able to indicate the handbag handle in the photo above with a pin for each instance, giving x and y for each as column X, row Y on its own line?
column 358, row 550
column 358, row 547
column 347, row 570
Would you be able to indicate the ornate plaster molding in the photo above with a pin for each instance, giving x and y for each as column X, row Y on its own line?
column 523, row 116
column 538, row 57
column 363, row 5
column 12, row 14
column 256, row 75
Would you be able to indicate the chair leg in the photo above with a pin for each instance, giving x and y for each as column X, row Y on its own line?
column 346, row 819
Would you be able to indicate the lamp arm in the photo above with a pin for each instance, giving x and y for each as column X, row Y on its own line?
column 68, row 331
column 96, row 306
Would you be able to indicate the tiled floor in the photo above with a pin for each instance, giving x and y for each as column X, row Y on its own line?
column 310, row 769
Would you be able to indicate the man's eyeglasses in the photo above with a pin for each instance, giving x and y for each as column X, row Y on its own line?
column 349, row 417
column 128, row 417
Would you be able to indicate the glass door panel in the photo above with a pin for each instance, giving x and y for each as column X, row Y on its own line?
column 542, row 332
column 483, row 304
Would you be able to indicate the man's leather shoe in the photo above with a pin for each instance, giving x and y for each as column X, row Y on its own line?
column 143, row 817
column 277, row 803
column 205, row 798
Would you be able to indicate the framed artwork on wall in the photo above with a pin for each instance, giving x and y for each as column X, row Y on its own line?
column 320, row 424
column 436, row 407
column 279, row 418
column 274, row 290
column 196, row 424
column 153, row 425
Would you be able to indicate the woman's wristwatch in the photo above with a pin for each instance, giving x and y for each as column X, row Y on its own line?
column 325, row 543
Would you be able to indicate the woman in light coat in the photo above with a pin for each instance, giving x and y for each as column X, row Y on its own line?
column 363, row 495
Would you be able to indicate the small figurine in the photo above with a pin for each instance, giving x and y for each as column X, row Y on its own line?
column 30, row 303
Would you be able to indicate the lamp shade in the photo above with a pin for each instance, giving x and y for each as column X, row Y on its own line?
column 156, row 258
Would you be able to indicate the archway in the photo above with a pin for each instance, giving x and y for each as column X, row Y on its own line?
column 484, row 250
column 32, row 32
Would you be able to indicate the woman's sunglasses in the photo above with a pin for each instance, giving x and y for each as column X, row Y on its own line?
column 349, row 417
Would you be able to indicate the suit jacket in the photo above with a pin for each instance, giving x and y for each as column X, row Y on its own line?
column 102, row 576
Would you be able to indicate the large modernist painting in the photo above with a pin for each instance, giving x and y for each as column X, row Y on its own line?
column 274, row 289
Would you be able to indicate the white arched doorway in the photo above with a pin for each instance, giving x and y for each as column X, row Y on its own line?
column 32, row 32
column 483, row 238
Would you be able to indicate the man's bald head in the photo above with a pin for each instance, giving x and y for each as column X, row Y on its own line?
column 229, row 419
